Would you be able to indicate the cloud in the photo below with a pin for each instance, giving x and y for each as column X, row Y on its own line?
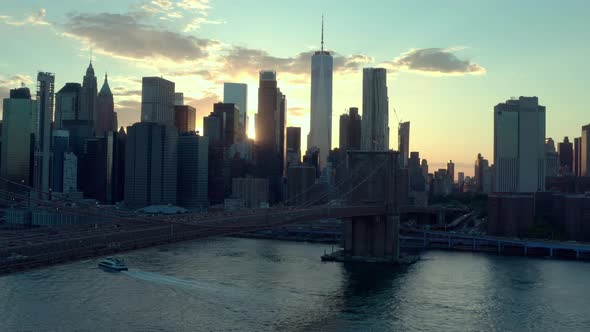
column 434, row 61
column 176, row 9
column 195, row 23
column 205, row 74
column 250, row 61
column 296, row 111
column 124, row 36
column 37, row 18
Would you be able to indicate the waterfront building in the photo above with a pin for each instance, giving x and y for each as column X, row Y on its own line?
column 300, row 178
column 519, row 145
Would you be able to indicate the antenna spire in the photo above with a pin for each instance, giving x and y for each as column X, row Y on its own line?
column 322, row 33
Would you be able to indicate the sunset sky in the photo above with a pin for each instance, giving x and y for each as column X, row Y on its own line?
column 449, row 62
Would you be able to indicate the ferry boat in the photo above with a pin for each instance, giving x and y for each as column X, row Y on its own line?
column 112, row 264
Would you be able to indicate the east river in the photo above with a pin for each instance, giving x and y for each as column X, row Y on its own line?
column 231, row 284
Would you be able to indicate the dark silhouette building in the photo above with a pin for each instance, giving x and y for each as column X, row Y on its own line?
column 578, row 156
column 350, row 130
column 71, row 115
column 293, row 146
column 18, row 143
column 565, row 150
column 89, row 94
column 150, row 164
column 185, row 118
column 270, row 134
column 193, row 171
column 106, row 118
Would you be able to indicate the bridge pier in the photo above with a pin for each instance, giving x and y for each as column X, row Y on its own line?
column 372, row 238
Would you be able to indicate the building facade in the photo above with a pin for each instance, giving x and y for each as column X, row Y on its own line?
column 270, row 133
column 106, row 118
column 193, row 172
column 185, row 118
column 42, row 119
column 320, row 134
column 237, row 93
column 404, row 142
column 150, row 164
column 350, row 130
column 375, row 123
column 157, row 101
column 293, row 146
column 519, row 145
column 16, row 161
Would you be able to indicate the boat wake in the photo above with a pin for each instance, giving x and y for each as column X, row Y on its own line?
column 163, row 279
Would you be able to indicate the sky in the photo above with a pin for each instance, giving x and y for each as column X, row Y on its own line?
column 449, row 62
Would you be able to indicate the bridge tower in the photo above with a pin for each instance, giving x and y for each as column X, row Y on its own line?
column 374, row 178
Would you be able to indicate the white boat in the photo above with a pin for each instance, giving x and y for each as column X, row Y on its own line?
column 112, row 264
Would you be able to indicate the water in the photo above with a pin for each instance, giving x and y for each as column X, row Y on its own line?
column 231, row 284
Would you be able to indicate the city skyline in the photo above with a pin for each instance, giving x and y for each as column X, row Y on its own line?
column 445, row 82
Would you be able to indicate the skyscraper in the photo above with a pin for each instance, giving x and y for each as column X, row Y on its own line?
column 320, row 134
column 237, row 93
column 293, row 146
column 150, row 164
column 193, row 163
column 482, row 175
column 178, row 98
column 16, row 161
column 70, row 116
column 185, row 118
column 585, row 151
column 565, row 150
column 270, row 133
column 375, row 123
column 350, row 130
column 89, row 91
column 404, row 142
column 519, row 145
column 578, row 156
column 551, row 158
column 106, row 118
column 157, row 101
column 60, row 146
column 451, row 171
column 42, row 130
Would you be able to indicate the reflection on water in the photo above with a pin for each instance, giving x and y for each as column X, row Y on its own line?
column 256, row 285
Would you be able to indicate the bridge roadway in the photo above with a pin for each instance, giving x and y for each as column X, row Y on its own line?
column 39, row 247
